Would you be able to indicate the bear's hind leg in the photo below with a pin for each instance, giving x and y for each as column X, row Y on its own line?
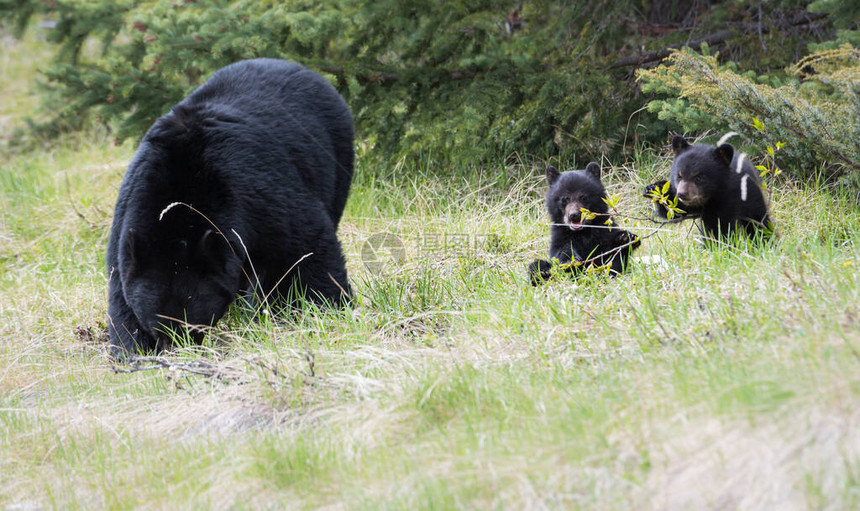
column 321, row 276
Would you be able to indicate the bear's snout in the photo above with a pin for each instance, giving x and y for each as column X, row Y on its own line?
column 688, row 194
column 167, row 326
column 163, row 323
column 573, row 216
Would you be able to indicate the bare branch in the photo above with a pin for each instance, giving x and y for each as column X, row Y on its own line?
column 198, row 367
column 796, row 20
column 638, row 60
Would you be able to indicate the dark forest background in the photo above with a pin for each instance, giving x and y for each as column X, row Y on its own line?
column 463, row 83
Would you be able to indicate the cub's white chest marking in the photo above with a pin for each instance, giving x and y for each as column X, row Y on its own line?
column 744, row 187
column 726, row 137
column 740, row 165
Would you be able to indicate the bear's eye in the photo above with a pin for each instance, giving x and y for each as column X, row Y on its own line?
column 698, row 178
column 563, row 201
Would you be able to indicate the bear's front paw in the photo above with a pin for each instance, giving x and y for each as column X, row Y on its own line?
column 656, row 186
column 625, row 238
column 660, row 195
column 539, row 271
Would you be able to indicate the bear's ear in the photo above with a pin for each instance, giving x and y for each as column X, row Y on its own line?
column 211, row 250
column 204, row 246
column 132, row 245
column 134, row 248
column 552, row 175
column 679, row 144
column 725, row 153
column 593, row 169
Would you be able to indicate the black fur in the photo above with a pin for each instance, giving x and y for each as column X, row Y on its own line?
column 263, row 153
column 571, row 238
column 705, row 180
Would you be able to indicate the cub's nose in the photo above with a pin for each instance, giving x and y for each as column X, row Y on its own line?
column 574, row 216
column 683, row 196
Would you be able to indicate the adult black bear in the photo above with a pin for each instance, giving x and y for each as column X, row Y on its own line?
column 718, row 185
column 588, row 239
column 239, row 188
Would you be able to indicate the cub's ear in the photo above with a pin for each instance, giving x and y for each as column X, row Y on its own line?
column 552, row 175
column 679, row 144
column 725, row 153
column 593, row 169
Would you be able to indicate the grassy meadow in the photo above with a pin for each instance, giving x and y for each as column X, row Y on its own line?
column 709, row 379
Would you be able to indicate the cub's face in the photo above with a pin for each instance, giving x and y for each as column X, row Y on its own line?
column 699, row 172
column 571, row 192
column 177, row 284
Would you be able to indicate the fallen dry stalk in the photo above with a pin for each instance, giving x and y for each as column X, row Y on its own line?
column 225, row 374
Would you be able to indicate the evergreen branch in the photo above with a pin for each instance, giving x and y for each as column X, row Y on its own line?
column 365, row 79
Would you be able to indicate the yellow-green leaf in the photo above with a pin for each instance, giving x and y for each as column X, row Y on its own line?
column 587, row 214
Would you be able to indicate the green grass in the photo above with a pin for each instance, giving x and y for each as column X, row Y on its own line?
column 721, row 379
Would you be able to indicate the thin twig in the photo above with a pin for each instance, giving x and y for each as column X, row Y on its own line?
column 615, row 250
column 198, row 367
column 655, row 221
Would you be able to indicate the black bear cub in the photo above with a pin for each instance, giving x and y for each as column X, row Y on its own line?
column 583, row 233
column 719, row 186
column 239, row 189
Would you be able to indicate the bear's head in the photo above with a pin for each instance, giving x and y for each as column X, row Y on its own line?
column 700, row 172
column 178, row 282
column 572, row 192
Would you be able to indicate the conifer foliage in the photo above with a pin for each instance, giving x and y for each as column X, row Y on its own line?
column 474, row 78
column 811, row 114
column 441, row 81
